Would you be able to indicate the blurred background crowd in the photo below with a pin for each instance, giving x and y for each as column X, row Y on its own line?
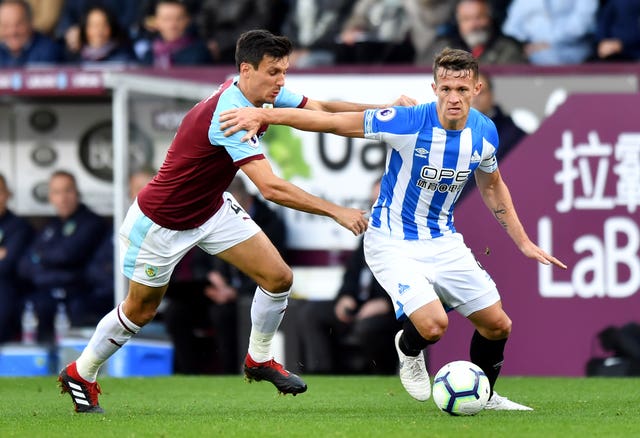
column 166, row 33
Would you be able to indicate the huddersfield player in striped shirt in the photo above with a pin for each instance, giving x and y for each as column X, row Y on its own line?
column 411, row 244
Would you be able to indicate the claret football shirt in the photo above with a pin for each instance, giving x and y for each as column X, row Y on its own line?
column 201, row 161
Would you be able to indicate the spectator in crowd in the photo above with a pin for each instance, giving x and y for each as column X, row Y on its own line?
column 55, row 263
column 202, row 306
column 68, row 28
column 553, row 32
column 618, row 31
column 353, row 333
column 477, row 34
column 100, row 270
column 15, row 234
column 174, row 44
column 428, row 19
column 46, row 14
column 221, row 22
column 143, row 31
column 312, row 27
column 102, row 40
column 20, row 44
column 508, row 132
column 376, row 32
column 147, row 11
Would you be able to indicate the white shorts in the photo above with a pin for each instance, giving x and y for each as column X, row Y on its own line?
column 149, row 253
column 417, row 272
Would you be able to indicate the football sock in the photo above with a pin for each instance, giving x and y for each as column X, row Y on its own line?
column 411, row 342
column 111, row 333
column 267, row 311
column 488, row 355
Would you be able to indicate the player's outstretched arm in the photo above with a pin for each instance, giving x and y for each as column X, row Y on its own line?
column 497, row 198
column 337, row 106
column 349, row 124
column 282, row 192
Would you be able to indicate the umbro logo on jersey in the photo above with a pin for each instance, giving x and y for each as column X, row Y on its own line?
column 421, row 152
column 476, row 158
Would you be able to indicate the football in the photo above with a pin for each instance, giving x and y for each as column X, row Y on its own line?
column 460, row 388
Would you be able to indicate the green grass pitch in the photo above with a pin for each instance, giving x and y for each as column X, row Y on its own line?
column 332, row 407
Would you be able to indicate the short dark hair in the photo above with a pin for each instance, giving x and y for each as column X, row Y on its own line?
column 455, row 60
column 254, row 45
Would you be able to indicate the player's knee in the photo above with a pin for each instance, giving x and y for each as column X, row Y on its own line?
column 148, row 314
column 143, row 316
column 432, row 330
column 500, row 329
column 280, row 280
column 140, row 313
column 505, row 328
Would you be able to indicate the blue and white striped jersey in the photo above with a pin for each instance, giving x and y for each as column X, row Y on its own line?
column 427, row 167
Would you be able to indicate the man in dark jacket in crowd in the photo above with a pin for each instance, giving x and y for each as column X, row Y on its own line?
column 20, row 44
column 55, row 263
column 477, row 33
column 175, row 43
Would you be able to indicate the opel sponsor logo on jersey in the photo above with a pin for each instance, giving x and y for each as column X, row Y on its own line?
column 431, row 178
column 385, row 114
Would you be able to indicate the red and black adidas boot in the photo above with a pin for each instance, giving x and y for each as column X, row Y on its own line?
column 271, row 371
column 83, row 394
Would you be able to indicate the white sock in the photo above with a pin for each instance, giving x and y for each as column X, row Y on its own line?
column 112, row 332
column 267, row 311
